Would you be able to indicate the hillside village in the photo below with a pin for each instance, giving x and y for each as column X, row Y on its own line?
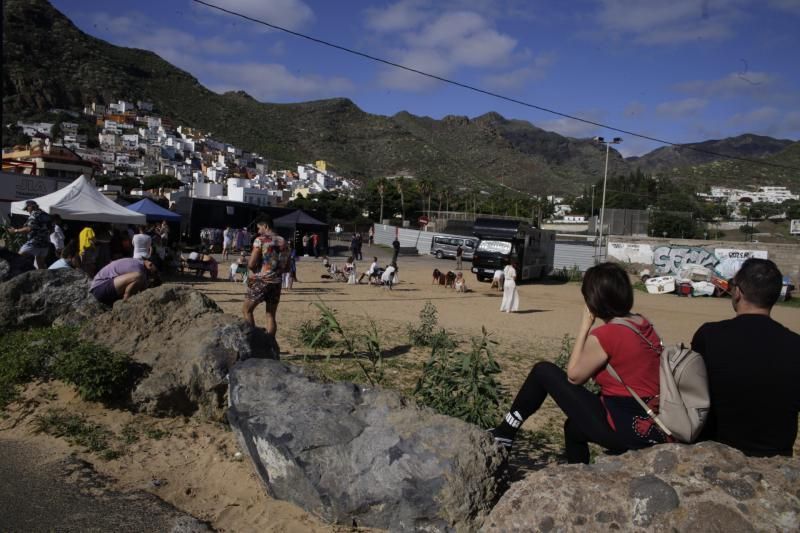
column 133, row 141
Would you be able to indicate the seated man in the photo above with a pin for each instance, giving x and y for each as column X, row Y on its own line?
column 371, row 272
column 69, row 257
column 121, row 279
column 753, row 367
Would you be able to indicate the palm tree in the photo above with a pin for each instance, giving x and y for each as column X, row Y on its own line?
column 399, row 184
column 381, row 191
column 425, row 188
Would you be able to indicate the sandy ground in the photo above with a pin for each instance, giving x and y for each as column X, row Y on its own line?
column 194, row 465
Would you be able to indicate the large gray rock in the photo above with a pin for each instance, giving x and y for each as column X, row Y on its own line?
column 365, row 456
column 186, row 344
column 42, row 297
column 708, row 487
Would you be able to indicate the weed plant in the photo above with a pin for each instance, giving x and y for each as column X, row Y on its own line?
column 423, row 334
column 364, row 348
column 567, row 274
column 315, row 334
column 12, row 241
column 76, row 429
column 463, row 384
column 96, row 372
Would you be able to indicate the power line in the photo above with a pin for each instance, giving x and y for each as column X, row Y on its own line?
column 486, row 92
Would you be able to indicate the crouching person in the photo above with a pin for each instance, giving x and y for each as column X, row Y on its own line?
column 121, row 279
column 753, row 366
column 613, row 419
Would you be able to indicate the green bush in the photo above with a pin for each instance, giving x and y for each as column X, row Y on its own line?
column 423, row 334
column 463, row 384
column 58, row 352
column 565, row 274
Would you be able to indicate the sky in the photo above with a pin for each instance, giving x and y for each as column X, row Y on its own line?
column 679, row 70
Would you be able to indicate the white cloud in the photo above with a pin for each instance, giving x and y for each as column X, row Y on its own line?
column 681, row 108
column 442, row 45
column 272, row 81
column 767, row 120
column 263, row 81
column 425, row 60
column 735, row 83
column 656, row 22
column 575, row 128
column 403, row 15
column 518, row 77
column 292, row 14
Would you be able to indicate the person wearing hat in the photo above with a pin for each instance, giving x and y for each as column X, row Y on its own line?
column 36, row 228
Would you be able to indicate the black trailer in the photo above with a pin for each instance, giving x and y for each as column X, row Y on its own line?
column 502, row 241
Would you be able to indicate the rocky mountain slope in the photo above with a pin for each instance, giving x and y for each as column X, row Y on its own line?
column 49, row 63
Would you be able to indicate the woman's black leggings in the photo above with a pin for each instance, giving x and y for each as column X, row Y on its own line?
column 586, row 416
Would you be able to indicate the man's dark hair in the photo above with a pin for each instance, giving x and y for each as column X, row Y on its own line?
column 70, row 250
column 760, row 282
column 264, row 220
column 607, row 291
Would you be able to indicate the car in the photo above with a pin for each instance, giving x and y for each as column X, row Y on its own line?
column 446, row 245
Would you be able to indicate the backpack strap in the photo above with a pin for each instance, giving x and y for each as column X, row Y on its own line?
column 627, row 323
column 647, row 409
column 639, row 400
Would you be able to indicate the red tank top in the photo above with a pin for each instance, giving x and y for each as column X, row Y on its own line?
column 633, row 359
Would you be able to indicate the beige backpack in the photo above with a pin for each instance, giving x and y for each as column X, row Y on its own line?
column 683, row 395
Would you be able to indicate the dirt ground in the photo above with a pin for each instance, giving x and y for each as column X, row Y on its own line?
column 195, row 466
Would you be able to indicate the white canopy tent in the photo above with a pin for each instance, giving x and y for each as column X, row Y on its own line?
column 80, row 200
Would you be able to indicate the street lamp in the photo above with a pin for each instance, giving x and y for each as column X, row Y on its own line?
column 601, row 140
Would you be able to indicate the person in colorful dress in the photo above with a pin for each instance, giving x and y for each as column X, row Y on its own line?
column 268, row 261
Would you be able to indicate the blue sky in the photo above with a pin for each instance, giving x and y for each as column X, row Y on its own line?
column 682, row 70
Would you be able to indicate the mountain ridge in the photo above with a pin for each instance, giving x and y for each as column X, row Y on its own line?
column 486, row 151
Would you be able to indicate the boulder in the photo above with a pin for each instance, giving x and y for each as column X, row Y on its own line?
column 671, row 487
column 364, row 456
column 13, row 264
column 186, row 345
column 42, row 297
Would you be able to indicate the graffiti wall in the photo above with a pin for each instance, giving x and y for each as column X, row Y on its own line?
column 669, row 259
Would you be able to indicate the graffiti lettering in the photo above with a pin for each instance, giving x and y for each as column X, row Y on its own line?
column 670, row 259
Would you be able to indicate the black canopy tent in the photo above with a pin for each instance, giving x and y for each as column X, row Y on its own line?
column 298, row 223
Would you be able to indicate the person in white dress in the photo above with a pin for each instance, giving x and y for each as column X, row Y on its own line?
column 350, row 271
column 510, row 302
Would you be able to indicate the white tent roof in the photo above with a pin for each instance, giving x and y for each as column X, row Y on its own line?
column 80, row 200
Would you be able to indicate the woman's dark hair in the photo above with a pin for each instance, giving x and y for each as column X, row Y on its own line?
column 760, row 282
column 607, row 291
column 264, row 220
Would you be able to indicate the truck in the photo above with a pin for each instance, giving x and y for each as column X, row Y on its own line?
column 501, row 241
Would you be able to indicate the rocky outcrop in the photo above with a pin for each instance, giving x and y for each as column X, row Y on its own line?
column 701, row 488
column 186, row 345
column 42, row 297
column 12, row 264
column 365, row 456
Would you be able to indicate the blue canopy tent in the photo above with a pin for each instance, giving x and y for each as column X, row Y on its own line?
column 153, row 211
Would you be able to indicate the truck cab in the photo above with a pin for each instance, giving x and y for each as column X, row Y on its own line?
column 502, row 241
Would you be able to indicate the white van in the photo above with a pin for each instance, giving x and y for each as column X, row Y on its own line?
column 446, row 245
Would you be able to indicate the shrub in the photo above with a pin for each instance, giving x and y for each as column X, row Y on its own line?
column 58, row 352
column 565, row 274
column 462, row 384
column 425, row 332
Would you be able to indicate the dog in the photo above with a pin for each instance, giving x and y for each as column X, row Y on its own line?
column 437, row 276
column 450, row 279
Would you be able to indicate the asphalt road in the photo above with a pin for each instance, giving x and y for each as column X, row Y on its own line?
column 38, row 493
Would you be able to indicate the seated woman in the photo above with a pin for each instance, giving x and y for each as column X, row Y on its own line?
column 350, row 271
column 389, row 276
column 612, row 419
